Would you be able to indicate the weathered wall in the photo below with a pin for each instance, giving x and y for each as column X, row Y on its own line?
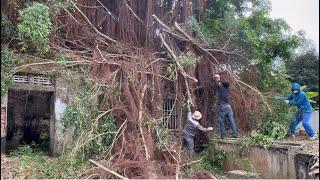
column 4, row 102
column 277, row 161
column 63, row 90
column 63, row 94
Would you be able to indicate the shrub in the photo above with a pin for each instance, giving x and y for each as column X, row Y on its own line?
column 34, row 27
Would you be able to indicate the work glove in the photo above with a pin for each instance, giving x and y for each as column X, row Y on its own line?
column 210, row 128
column 286, row 101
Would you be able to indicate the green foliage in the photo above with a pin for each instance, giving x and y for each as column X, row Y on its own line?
column 208, row 160
column 34, row 27
column 59, row 5
column 33, row 163
column 261, row 139
column 304, row 70
column 187, row 59
column 171, row 71
column 8, row 60
column 248, row 166
column 7, row 28
column 201, row 32
column 312, row 95
column 164, row 136
column 220, row 157
column 265, row 42
column 82, row 113
column 265, row 136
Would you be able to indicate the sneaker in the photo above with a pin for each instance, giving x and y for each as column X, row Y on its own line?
column 236, row 136
column 313, row 137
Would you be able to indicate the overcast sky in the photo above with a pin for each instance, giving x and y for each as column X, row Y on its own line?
column 300, row 15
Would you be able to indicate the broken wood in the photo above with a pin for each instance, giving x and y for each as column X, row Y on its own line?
column 176, row 25
column 134, row 14
column 108, row 170
column 185, row 75
column 140, row 120
column 91, row 25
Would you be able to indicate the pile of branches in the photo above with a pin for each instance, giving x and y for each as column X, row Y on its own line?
column 128, row 47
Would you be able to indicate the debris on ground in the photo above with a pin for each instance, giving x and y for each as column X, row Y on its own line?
column 241, row 174
column 204, row 175
column 5, row 173
column 309, row 147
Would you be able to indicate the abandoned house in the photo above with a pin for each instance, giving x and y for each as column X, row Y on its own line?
column 31, row 111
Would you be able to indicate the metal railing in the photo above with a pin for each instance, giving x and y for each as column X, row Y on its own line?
column 170, row 114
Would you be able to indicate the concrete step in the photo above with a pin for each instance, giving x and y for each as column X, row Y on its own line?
column 241, row 174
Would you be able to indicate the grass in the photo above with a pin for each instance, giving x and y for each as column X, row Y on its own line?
column 28, row 163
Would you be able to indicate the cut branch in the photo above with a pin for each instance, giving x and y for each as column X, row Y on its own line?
column 176, row 25
column 95, row 29
column 140, row 120
column 108, row 170
column 185, row 75
column 134, row 14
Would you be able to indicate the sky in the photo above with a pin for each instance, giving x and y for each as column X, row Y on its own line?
column 300, row 15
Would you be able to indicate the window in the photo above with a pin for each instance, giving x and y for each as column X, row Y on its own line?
column 170, row 114
column 33, row 79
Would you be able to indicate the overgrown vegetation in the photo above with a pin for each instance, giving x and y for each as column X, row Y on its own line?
column 8, row 60
column 239, row 34
column 34, row 28
column 29, row 163
column 208, row 160
column 84, row 115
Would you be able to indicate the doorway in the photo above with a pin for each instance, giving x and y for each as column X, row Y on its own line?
column 30, row 116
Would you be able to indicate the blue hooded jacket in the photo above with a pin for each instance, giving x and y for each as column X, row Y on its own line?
column 299, row 99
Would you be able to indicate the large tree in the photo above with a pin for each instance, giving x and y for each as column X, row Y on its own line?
column 304, row 70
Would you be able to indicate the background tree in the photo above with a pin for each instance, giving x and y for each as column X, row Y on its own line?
column 304, row 70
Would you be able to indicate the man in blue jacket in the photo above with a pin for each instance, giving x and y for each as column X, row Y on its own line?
column 300, row 99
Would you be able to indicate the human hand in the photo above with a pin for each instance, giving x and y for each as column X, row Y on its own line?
column 210, row 128
column 216, row 77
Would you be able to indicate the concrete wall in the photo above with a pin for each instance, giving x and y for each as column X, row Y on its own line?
column 63, row 91
column 275, row 162
column 63, row 94
column 4, row 106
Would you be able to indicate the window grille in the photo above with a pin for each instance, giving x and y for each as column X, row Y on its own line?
column 42, row 80
column 20, row 79
column 33, row 79
column 170, row 114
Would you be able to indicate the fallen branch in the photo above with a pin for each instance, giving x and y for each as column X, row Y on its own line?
column 134, row 14
column 140, row 120
column 192, row 162
column 115, row 138
column 255, row 90
column 159, row 21
column 176, row 25
column 185, row 75
column 95, row 29
column 108, row 170
column 109, row 12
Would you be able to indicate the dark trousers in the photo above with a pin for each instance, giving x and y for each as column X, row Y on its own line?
column 188, row 143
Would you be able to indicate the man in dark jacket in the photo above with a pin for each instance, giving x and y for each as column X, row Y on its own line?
column 300, row 99
column 190, row 130
column 224, row 108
